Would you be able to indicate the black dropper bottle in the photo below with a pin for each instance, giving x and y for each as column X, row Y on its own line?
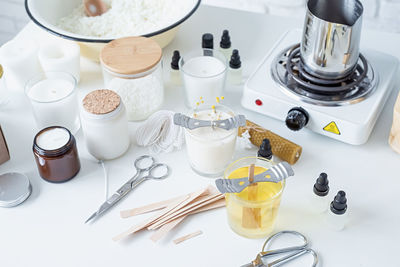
column 337, row 212
column 321, row 186
column 235, row 62
column 225, row 40
column 207, row 42
column 339, row 203
column 175, row 60
column 175, row 77
column 235, row 68
column 321, row 189
column 265, row 150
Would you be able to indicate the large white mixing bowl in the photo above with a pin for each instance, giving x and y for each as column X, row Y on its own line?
column 46, row 14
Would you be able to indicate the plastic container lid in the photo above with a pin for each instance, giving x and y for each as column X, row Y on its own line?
column 130, row 55
column 15, row 188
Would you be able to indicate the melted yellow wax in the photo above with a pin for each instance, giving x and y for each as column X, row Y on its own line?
column 264, row 202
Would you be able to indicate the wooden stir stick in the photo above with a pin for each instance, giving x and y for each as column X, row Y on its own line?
column 251, row 217
column 94, row 8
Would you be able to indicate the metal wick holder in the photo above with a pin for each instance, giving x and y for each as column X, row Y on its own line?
column 191, row 123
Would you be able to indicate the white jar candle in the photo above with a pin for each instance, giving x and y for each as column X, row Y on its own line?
column 132, row 68
column 105, row 124
column 20, row 62
column 203, row 75
column 210, row 149
column 61, row 56
column 54, row 100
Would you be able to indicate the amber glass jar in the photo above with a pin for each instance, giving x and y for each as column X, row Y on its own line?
column 56, row 154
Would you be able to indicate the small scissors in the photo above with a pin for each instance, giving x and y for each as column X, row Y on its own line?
column 297, row 252
column 142, row 164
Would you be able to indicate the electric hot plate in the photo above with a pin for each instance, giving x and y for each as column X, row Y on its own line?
column 345, row 109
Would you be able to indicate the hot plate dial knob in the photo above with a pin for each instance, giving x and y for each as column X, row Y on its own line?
column 297, row 118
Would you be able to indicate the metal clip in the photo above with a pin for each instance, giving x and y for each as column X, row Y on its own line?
column 227, row 124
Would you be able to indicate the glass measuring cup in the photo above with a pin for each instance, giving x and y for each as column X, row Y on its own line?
column 252, row 213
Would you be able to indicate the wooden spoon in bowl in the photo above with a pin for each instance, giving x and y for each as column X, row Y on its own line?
column 94, row 7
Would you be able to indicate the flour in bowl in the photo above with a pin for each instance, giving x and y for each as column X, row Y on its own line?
column 127, row 18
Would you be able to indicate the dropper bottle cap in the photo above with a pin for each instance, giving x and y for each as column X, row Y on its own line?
column 339, row 204
column 175, row 60
column 208, row 41
column 225, row 40
column 321, row 186
column 235, row 62
column 265, row 150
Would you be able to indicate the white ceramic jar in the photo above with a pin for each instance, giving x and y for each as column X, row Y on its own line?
column 209, row 149
column 132, row 67
column 105, row 124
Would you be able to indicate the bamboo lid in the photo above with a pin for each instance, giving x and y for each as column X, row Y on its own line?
column 130, row 55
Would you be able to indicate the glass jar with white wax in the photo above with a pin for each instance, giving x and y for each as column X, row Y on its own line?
column 132, row 67
column 105, row 124
column 54, row 100
column 204, row 75
column 210, row 149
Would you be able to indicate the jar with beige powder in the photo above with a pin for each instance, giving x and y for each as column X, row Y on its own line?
column 105, row 124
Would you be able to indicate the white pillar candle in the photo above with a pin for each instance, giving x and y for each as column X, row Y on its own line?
column 203, row 77
column 54, row 101
column 61, row 56
column 20, row 63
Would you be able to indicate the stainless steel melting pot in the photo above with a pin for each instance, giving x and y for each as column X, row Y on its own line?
column 331, row 37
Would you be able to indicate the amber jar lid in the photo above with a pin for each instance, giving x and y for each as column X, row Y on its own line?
column 57, row 144
column 130, row 55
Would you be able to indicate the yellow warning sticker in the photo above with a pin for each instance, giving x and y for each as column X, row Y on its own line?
column 332, row 128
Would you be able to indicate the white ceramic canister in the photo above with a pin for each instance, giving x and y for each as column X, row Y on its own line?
column 132, row 67
column 105, row 124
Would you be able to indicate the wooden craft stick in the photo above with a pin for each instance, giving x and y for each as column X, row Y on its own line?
column 163, row 230
column 186, row 237
column 217, row 204
column 173, row 207
column 251, row 217
column 147, row 222
column 192, row 197
column 168, row 226
column 148, row 208
column 194, row 203
column 184, row 212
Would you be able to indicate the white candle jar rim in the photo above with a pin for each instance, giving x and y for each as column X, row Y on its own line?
column 132, row 76
column 222, row 108
column 205, row 52
column 258, row 162
column 49, row 75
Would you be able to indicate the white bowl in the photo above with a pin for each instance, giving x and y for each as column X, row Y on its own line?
column 46, row 14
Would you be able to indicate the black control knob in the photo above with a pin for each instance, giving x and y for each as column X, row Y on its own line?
column 296, row 119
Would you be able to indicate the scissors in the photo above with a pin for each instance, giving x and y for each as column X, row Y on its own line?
column 142, row 164
column 297, row 251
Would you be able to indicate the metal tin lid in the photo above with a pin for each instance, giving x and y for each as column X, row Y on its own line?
column 130, row 55
column 15, row 188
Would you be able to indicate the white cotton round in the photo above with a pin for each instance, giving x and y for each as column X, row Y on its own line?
column 160, row 134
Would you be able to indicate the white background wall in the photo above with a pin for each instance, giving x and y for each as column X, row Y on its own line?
column 379, row 14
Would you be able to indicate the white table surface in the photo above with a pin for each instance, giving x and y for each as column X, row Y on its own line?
column 48, row 229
